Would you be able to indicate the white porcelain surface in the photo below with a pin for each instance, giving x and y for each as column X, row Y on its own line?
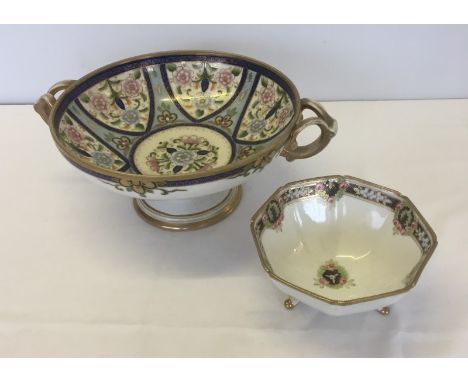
column 342, row 245
column 357, row 234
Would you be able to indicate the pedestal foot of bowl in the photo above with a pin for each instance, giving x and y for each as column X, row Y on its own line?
column 170, row 215
column 385, row 311
column 290, row 303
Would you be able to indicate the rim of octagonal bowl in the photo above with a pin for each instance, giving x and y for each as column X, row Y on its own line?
column 271, row 273
column 272, row 146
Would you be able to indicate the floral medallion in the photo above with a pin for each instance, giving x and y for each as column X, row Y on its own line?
column 331, row 190
column 201, row 88
column 182, row 150
column 82, row 143
column 332, row 275
column 269, row 111
column 122, row 102
column 404, row 220
column 273, row 216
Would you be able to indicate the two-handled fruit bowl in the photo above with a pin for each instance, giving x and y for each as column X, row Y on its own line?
column 180, row 131
column 341, row 244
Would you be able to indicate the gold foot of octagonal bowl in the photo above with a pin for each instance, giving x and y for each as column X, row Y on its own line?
column 180, row 125
column 341, row 244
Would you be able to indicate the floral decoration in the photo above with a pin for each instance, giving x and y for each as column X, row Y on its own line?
column 331, row 189
column 86, row 146
column 246, row 151
column 404, row 221
column 200, row 87
column 269, row 111
column 185, row 154
column 273, row 216
column 120, row 102
column 225, row 120
column 121, row 142
column 140, row 187
column 166, row 115
column 332, row 275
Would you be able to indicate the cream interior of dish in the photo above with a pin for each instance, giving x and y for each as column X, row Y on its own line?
column 352, row 237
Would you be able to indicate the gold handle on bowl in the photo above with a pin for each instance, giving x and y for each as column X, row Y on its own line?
column 46, row 102
column 328, row 129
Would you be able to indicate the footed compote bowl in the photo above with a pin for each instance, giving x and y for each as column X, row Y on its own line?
column 180, row 131
column 342, row 245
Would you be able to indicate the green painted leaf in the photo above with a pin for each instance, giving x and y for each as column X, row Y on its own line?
column 103, row 87
column 84, row 98
column 251, row 115
column 254, row 105
column 144, row 96
column 243, row 134
column 264, row 82
column 144, row 109
column 103, row 116
column 137, row 74
column 218, row 101
column 236, row 71
column 118, row 162
column 117, row 122
column 139, row 126
column 67, row 119
column 179, row 90
column 171, row 67
column 199, row 112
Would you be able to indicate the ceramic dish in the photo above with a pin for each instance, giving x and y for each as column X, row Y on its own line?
column 180, row 125
column 342, row 245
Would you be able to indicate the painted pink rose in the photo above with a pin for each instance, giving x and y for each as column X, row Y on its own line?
column 284, row 115
column 225, row 77
column 74, row 135
column 153, row 164
column 323, row 281
column 267, row 95
column 99, row 102
column 183, row 76
column 191, row 140
column 343, row 186
column 131, row 87
column 343, row 280
column 320, row 186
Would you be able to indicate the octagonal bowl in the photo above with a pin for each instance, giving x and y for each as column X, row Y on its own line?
column 180, row 131
column 342, row 245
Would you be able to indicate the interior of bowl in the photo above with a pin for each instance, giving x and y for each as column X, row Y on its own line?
column 344, row 240
column 174, row 114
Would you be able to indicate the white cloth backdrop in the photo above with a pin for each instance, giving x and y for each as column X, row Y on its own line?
column 82, row 275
